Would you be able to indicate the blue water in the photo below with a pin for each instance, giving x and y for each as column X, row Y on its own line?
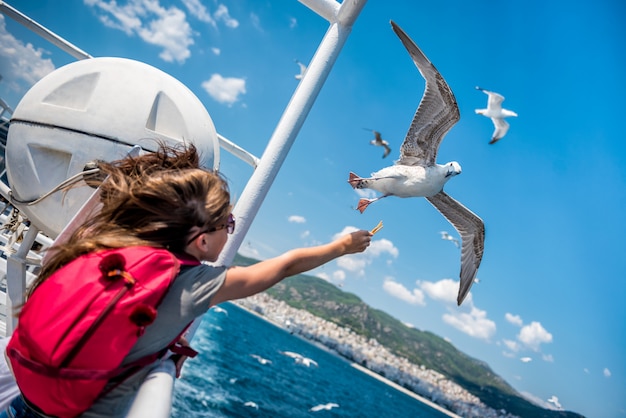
column 224, row 377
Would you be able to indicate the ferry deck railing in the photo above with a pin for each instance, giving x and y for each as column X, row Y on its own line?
column 155, row 396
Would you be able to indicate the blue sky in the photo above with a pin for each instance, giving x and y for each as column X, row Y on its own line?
column 548, row 313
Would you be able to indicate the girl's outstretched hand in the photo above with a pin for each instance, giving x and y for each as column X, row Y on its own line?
column 355, row 242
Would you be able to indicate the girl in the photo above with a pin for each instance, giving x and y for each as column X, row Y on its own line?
column 165, row 200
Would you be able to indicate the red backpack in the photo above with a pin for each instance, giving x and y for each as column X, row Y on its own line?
column 78, row 326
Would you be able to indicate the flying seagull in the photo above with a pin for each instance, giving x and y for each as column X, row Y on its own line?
column 299, row 358
column 379, row 142
column 261, row 359
column 417, row 174
column 302, row 70
column 496, row 113
column 446, row 236
column 327, row 407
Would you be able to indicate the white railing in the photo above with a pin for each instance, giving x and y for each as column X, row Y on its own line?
column 155, row 396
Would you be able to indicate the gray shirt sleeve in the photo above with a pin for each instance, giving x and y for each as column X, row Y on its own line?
column 188, row 298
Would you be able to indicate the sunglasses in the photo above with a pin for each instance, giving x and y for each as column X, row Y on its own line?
column 229, row 226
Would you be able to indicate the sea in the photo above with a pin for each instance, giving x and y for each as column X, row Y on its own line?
column 227, row 379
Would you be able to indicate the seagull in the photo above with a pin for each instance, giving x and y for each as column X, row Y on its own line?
column 219, row 310
column 261, row 359
column 299, row 358
column 417, row 174
column 446, row 236
column 302, row 70
column 554, row 400
column 251, row 404
column 379, row 142
column 327, row 407
column 496, row 113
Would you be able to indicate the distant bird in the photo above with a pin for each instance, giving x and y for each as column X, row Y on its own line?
column 261, row 359
column 554, row 400
column 379, row 142
column 496, row 113
column 446, row 236
column 251, row 405
column 299, row 358
column 219, row 310
column 417, row 174
column 302, row 70
column 327, row 407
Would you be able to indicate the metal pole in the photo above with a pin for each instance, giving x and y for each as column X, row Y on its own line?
column 293, row 117
column 45, row 33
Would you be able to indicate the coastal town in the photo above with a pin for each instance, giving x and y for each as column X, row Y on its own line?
column 371, row 357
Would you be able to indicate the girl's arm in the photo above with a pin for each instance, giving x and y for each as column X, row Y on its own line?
column 242, row 282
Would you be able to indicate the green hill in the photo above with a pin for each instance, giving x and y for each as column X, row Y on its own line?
column 326, row 301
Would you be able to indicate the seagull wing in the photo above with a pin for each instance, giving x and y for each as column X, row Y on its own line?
column 495, row 100
column 502, row 128
column 472, row 231
column 387, row 150
column 302, row 70
column 435, row 115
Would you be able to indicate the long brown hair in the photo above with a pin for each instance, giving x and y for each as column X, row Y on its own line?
column 154, row 199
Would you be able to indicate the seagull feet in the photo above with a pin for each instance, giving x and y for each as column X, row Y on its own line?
column 363, row 204
column 355, row 181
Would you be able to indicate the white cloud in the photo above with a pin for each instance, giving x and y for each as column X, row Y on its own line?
column 21, row 63
column 339, row 275
column 526, row 359
column 356, row 263
column 445, row 290
column 606, row 372
column 256, row 21
column 221, row 14
column 512, row 345
column 216, row 50
column 547, row 358
column 305, row 234
column 292, row 22
column 198, row 10
column 297, row 219
column 475, row 323
column 471, row 320
column 533, row 335
column 513, row 319
column 397, row 290
column 380, row 246
column 366, row 193
column 249, row 251
column 225, row 89
column 164, row 27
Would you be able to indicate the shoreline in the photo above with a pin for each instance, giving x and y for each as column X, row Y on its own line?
column 357, row 366
column 404, row 390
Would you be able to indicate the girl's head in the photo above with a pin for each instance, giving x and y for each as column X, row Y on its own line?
column 159, row 199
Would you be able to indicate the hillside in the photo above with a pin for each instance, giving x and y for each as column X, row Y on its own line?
column 423, row 348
